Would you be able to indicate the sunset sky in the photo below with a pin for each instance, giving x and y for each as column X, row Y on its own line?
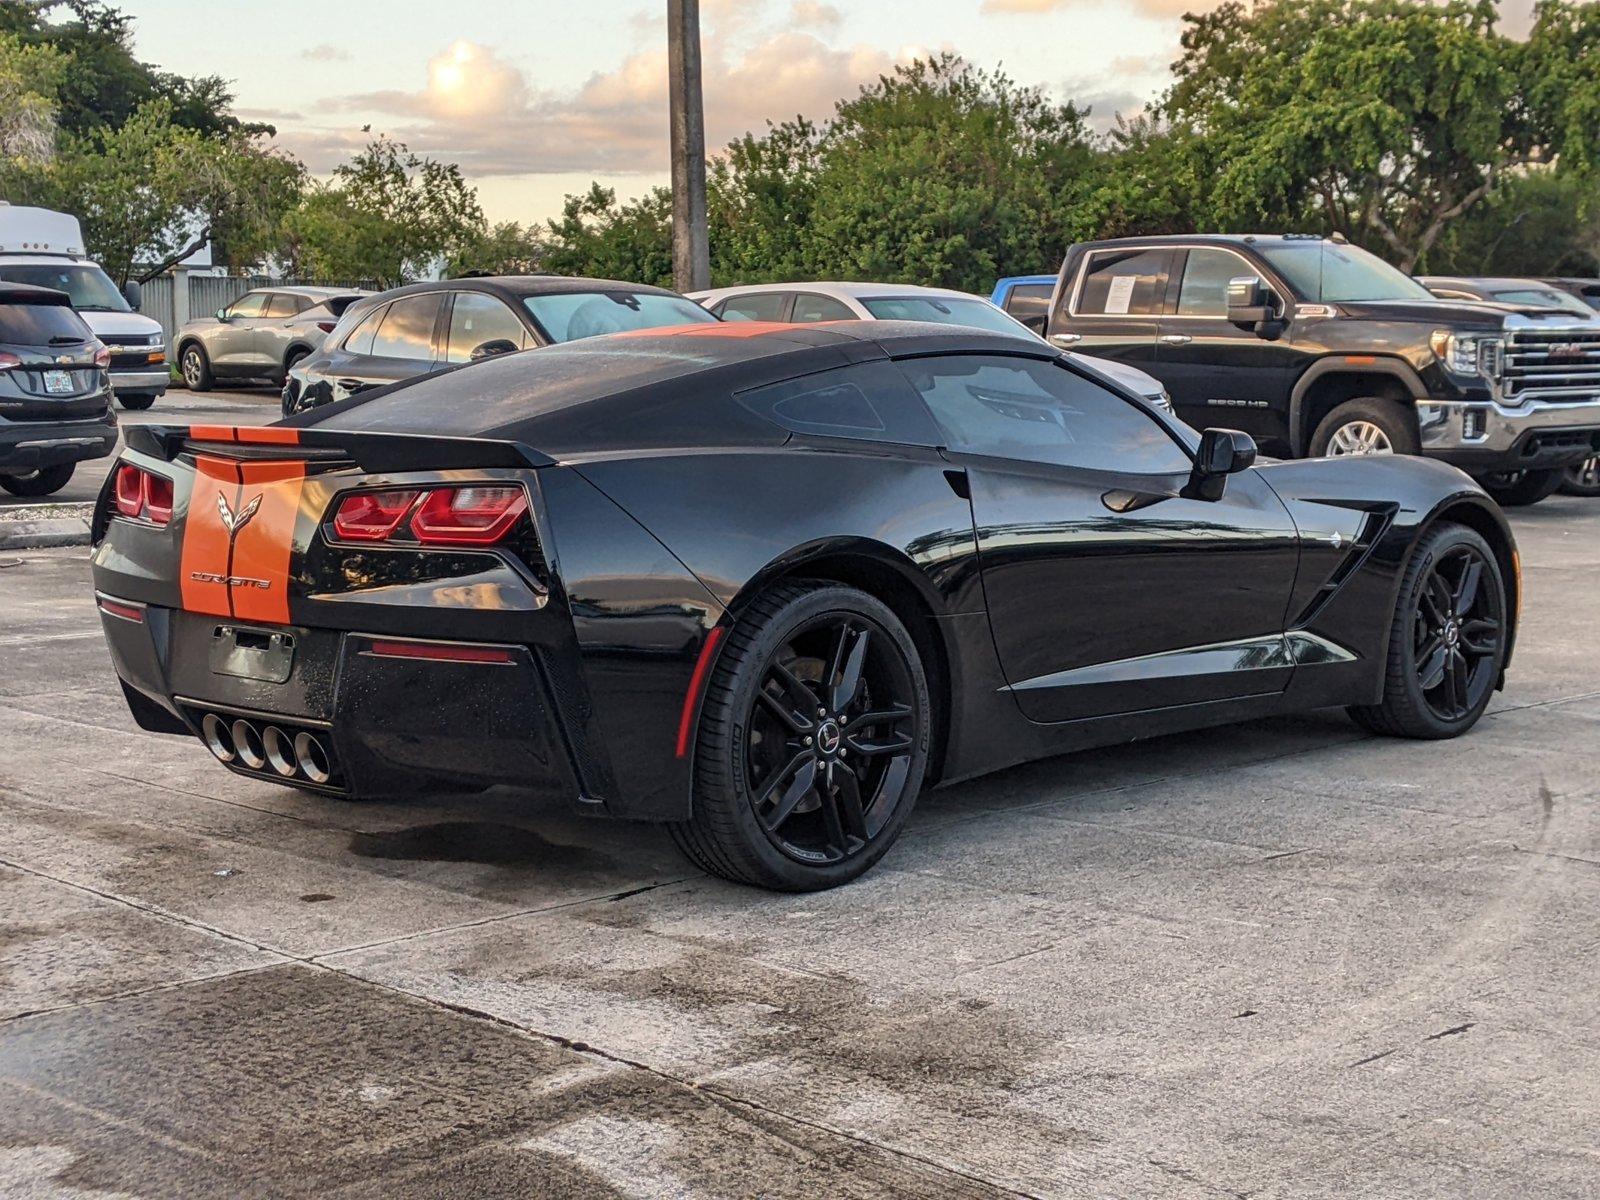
column 534, row 98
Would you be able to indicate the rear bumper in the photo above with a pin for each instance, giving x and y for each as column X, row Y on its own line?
column 1487, row 436
column 385, row 724
column 140, row 382
column 29, row 446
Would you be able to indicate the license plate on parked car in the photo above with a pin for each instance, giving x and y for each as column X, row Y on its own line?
column 58, row 383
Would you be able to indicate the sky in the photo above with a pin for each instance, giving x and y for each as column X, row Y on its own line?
column 535, row 98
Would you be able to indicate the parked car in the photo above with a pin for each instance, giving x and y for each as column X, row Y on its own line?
column 261, row 335
column 55, row 391
column 764, row 583
column 1316, row 347
column 427, row 327
column 43, row 248
column 1587, row 290
column 802, row 303
column 1514, row 293
column 1027, row 298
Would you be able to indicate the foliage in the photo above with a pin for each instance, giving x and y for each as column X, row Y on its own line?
column 506, row 248
column 30, row 78
column 597, row 236
column 1541, row 222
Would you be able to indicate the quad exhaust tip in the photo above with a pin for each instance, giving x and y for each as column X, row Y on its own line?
column 312, row 758
column 285, row 752
column 218, row 737
column 247, row 745
column 280, row 751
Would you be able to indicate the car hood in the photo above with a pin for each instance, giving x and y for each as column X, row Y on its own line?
column 120, row 323
column 1129, row 377
column 1459, row 314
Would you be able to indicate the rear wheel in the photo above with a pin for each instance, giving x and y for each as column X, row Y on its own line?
column 1515, row 489
column 293, row 360
column 1447, row 645
column 196, row 368
column 1583, row 479
column 1369, row 425
column 46, row 481
column 137, row 402
column 812, row 742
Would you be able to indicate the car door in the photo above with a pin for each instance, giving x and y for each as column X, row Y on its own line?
column 277, row 326
column 755, row 306
column 232, row 345
column 1030, row 304
column 479, row 325
column 1216, row 372
column 402, row 344
column 1108, row 590
column 1114, row 305
column 813, row 306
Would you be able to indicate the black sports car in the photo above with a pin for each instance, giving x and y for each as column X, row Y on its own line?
column 764, row 583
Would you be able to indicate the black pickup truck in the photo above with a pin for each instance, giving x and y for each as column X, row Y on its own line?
column 1316, row 347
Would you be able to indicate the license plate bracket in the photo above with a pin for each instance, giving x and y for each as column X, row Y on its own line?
column 58, row 383
column 266, row 655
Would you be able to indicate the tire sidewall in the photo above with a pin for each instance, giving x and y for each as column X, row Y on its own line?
column 1387, row 415
column 747, row 677
column 202, row 379
column 46, row 481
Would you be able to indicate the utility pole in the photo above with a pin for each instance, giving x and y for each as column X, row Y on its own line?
column 691, row 251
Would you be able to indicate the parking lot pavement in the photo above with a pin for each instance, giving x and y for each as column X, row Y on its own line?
column 1276, row 960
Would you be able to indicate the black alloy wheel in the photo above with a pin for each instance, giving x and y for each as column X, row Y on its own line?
column 813, row 741
column 1449, row 641
column 1583, row 479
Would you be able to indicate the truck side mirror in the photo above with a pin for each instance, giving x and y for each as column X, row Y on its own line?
column 1247, row 302
column 1222, row 452
column 132, row 293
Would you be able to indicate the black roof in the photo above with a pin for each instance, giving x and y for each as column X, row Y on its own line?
column 647, row 388
column 1215, row 239
column 516, row 286
column 26, row 293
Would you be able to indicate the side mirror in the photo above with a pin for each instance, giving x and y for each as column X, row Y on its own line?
column 222, row 315
column 1247, row 301
column 132, row 293
column 1222, row 452
column 495, row 346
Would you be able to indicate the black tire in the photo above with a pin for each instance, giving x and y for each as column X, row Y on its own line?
column 195, row 368
column 1391, row 419
column 774, row 806
column 1441, row 620
column 1583, row 479
column 137, row 402
column 293, row 359
column 46, row 481
column 1517, row 489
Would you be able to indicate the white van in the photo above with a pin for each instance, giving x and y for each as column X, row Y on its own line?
column 45, row 249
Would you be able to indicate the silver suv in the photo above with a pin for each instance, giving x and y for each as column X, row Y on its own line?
column 261, row 335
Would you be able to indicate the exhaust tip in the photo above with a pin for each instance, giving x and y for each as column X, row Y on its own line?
column 312, row 758
column 247, row 745
column 217, row 736
column 280, row 751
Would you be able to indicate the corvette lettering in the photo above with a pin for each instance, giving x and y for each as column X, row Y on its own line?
column 231, row 580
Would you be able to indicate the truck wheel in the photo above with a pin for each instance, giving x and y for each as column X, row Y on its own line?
column 1368, row 425
column 137, row 402
column 1516, row 489
column 1583, row 479
column 196, row 369
column 46, row 481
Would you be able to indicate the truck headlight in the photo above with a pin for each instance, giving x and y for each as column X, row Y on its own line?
column 1467, row 353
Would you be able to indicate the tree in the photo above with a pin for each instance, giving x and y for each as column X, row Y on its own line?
column 760, row 196
column 387, row 215
column 1386, row 119
column 597, row 236
column 29, row 79
column 1541, row 222
column 506, row 248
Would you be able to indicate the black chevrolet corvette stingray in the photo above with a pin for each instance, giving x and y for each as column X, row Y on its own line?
column 765, row 583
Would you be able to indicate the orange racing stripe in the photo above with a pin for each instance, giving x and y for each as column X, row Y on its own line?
column 264, row 547
column 203, row 565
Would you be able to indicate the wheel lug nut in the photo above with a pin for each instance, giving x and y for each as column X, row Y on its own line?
column 808, row 741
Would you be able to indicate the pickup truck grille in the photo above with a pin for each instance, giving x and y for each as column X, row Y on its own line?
column 1552, row 364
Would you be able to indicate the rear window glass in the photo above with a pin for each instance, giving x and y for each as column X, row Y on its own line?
column 869, row 401
column 1029, row 300
column 570, row 316
column 41, row 325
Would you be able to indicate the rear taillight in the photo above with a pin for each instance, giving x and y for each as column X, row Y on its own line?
column 7, row 361
column 102, row 358
column 141, row 495
column 327, row 326
column 446, row 516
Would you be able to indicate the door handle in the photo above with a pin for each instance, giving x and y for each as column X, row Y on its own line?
column 1176, row 339
column 352, row 386
column 1066, row 339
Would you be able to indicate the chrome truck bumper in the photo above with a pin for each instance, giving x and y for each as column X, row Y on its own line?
column 1484, row 435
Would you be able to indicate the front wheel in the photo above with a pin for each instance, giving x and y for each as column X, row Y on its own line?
column 137, row 402
column 1517, row 489
column 196, row 368
column 46, row 481
column 1369, row 425
column 1583, row 479
column 813, row 738
column 1447, row 644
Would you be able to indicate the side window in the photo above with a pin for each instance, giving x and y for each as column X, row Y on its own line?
column 281, row 305
column 1041, row 412
column 407, row 329
column 476, row 319
column 251, row 304
column 808, row 306
column 1204, row 291
column 1029, row 300
column 870, row 401
column 763, row 306
column 1125, row 283
column 360, row 339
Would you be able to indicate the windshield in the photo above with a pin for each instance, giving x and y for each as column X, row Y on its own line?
column 569, row 316
column 1327, row 273
column 91, row 288
column 946, row 310
column 1541, row 298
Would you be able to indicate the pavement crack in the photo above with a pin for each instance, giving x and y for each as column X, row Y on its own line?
column 1451, row 1032
column 1371, row 1058
column 1189, row 1176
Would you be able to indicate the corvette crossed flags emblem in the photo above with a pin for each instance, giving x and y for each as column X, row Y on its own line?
column 231, row 522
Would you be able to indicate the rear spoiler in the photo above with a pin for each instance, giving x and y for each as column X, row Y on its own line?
column 375, row 452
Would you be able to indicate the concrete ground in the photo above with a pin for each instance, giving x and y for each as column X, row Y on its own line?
column 1275, row 960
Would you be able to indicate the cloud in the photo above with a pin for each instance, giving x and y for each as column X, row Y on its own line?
column 325, row 53
column 479, row 109
column 809, row 14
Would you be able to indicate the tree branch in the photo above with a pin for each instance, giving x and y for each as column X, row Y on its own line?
column 198, row 243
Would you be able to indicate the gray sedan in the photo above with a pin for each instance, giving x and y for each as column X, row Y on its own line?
column 261, row 335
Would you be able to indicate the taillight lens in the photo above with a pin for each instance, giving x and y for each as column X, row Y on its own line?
column 7, row 361
column 447, row 516
column 327, row 326
column 468, row 516
column 371, row 516
column 141, row 495
column 102, row 358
